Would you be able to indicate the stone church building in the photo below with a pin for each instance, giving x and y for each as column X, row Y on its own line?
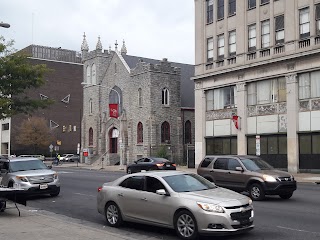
column 155, row 100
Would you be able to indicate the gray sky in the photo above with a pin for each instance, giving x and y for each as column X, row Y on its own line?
column 151, row 28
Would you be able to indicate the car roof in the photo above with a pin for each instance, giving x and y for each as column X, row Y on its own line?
column 238, row 156
column 21, row 159
column 159, row 173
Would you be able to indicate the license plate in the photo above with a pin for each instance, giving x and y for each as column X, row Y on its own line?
column 168, row 165
column 43, row 186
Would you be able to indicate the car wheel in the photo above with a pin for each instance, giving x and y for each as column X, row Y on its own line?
column 286, row 195
column 56, row 193
column 2, row 206
column 129, row 171
column 256, row 192
column 113, row 215
column 186, row 225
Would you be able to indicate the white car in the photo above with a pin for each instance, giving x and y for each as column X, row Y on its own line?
column 64, row 156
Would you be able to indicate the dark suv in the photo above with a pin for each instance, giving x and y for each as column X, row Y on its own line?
column 247, row 173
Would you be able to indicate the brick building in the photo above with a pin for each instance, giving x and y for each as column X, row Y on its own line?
column 156, row 106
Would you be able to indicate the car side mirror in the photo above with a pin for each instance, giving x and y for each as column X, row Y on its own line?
column 162, row 192
column 135, row 162
column 240, row 169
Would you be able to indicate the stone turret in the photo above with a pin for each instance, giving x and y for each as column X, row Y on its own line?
column 84, row 47
column 123, row 48
column 99, row 45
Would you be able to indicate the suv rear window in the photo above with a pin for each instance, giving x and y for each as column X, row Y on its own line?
column 206, row 162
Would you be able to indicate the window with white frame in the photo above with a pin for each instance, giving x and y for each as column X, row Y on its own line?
column 252, row 38
column 221, row 46
column 224, row 97
column 165, row 96
column 264, row 1
column 209, row 11
column 232, row 7
column 279, row 29
column 210, row 49
column 209, row 100
column 140, row 97
column 267, row 91
column 251, row 4
column 220, row 9
column 304, row 23
column 265, row 34
column 232, row 43
column 309, row 85
column 317, row 19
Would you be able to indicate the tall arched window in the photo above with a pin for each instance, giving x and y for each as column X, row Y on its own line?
column 90, row 137
column 165, row 96
column 94, row 74
column 187, row 132
column 90, row 106
column 140, row 97
column 88, row 74
column 165, row 132
column 140, row 133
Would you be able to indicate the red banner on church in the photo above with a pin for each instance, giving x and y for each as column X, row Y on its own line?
column 113, row 110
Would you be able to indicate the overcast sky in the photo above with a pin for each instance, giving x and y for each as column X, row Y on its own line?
column 151, row 28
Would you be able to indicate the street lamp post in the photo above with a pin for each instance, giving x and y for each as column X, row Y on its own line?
column 119, row 98
column 5, row 25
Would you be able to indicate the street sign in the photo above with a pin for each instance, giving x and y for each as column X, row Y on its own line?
column 85, row 152
column 258, row 145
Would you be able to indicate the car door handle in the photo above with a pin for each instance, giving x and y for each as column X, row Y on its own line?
column 144, row 199
column 211, row 171
column 120, row 194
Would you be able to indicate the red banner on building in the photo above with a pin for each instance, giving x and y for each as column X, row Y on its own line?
column 113, row 110
column 236, row 121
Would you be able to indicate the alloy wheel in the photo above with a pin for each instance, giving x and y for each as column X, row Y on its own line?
column 112, row 214
column 185, row 225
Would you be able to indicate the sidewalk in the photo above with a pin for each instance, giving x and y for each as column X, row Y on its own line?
column 300, row 177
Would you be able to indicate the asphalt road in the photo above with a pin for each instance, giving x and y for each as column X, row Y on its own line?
column 275, row 218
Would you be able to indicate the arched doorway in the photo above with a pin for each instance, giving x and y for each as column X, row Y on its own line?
column 113, row 140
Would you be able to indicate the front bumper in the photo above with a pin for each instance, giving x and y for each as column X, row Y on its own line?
column 277, row 188
column 40, row 188
column 233, row 221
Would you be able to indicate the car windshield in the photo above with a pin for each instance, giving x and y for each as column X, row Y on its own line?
column 188, row 183
column 16, row 166
column 256, row 164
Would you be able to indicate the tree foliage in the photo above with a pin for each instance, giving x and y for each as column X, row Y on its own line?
column 17, row 76
column 34, row 132
column 162, row 152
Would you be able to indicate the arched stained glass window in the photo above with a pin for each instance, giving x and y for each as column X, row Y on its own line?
column 165, row 132
column 90, row 137
column 140, row 133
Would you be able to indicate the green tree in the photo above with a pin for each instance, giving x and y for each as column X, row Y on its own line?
column 162, row 152
column 17, row 76
column 34, row 132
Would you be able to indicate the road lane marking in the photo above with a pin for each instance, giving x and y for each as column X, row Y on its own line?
column 87, row 195
column 298, row 230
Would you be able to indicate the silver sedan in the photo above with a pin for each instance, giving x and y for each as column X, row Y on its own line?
column 182, row 201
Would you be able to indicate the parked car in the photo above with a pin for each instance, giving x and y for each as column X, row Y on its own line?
column 64, row 156
column 41, row 157
column 150, row 163
column 30, row 174
column 72, row 158
column 247, row 173
column 186, row 202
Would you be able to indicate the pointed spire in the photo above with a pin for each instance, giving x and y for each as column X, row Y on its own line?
column 84, row 45
column 99, row 45
column 123, row 48
column 116, row 46
column 109, row 48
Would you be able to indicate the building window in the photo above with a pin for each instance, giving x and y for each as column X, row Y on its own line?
column 267, row 91
column 221, row 46
column 304, row 23
column 90, row 106
column 140, row 133
column 232, row 7
column 209, row 100
column 251, row 4
column 221, row 146
column 115, row 68
column 264, row 2
column 210, row 49
column 140, row 97
column 309, row 85
column 265, row 34
column 165, row 96
column 220, row 9
column 90, row 137
column 165, row 132
column 224, row 97
column 318, row 19
column 209, row 11
column 232, row 43
column 88, row 74
column 252, row 38
column 5, row 126
column 187, row 133
column 279, row 29
column 94, row 77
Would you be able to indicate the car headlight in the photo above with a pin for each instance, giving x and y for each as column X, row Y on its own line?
column 211, row 207
column 22, row 178
column 269, row 178
column 55, row 176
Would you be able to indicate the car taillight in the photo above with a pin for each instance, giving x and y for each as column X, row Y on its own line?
column 173, row 164
column 99, row 189
column 160, row 164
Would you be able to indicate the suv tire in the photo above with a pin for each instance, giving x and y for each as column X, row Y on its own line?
column 286, row 195
column 256, row 192
column 56, row 193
